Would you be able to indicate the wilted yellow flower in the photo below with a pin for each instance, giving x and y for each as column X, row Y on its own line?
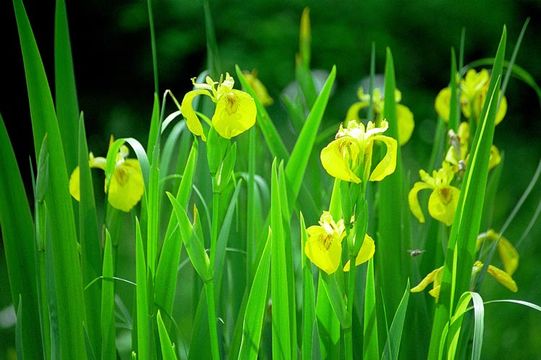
column 349, row 156
column 126, row 186
column 507, row 252
column 458, row 152
column 260, row 89
column 435, row 278
column 403, row 113
column 444, row 198
column 324, row 244
column 235, row 110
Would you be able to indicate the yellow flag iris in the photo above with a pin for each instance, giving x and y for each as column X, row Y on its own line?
column 324, row 245
column 260, row 89
column 349, row 156
column 473, row 88
column 506, row 251
column 444, row 198
column 235, row 110
column 403, row 113
column 126, row 187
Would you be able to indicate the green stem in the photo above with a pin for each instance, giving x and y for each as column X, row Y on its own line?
column 213, row 331
column 348, row 330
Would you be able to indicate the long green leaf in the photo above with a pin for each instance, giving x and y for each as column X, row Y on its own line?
column 67, row 107
column 392, row 346
column 108, row 349
column 281, row 329
column 18, row 240
column 143, row 328
column 370, row 325
column 168, row 349
column 255, row 307
column 67, row 270
column 309, row 301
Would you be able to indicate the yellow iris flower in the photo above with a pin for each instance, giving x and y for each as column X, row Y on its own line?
column 507, row 252
column 126, row 186
column 260, row 89
column 474, row 88
column 457, row 155
column 435, row 278
column 324, row 244
column 403, row 113
column 235, row 110
column 349, row 156
column 444, row 198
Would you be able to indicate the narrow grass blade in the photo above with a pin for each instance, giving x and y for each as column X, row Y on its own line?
column 479, row 315
column 89, row 241
column 328, row 323
column 308, row 299
column 281, row 329
column 166, row 273
column 370, row 319
column 67, row 270
column 108, row 334
column 67, row 107
column 296, row 165
column 462, row 240
column 213, row 58
column 454, row 105
column 143, row 328
column 18, row 241
column 153, row 47
column 168, row 349
column 155, row 126
column 392, row 219
column 255, row 307
column 392, row 346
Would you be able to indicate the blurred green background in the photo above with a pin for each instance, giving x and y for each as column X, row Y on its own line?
column 111, row 50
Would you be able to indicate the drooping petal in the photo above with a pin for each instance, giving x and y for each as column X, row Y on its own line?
column 413, row 200
column 405, row 123
column 323, row 249
column 235, row 113
column 366, row 252
column 186, row 108
column 502, row 109
column 74, row 185
column 442, row 103
column 509, row 255
column 127, row 185
column 338, row 156
column 442, row 204
column 426, row 281
column 503, row 278
column 495, row 157
column 387, row 165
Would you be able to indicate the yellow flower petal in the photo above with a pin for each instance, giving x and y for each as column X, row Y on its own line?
column 442, row 204
column 442, row 103
column 186, row 108
column 323, row 249
column 509, row 255
column 413, row 200
column 260, row 89
column 387, row 165
column 368, row 248
column 405, row 123
column 495, row 157
column 338, row 156
column 503, row 278
column 127, row 185
column 74, row 184
column 353, row 111
column 235, row 113
column 502, row 109
column 429, row 279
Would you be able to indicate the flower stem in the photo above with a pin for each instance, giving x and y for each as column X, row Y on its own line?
column 213, row 331
column 348, row 330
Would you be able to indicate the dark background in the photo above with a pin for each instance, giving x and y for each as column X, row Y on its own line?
column 111, row 51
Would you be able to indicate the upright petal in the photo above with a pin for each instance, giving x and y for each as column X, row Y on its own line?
column 413, row 200
column 366, row 252
column 74, row 186
column 127, row 185
column 338, row 156
column 387, row 165
column 353, row 111
column 186, row 108
column 235, row 113
column 442, row 204
column 405, row 123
